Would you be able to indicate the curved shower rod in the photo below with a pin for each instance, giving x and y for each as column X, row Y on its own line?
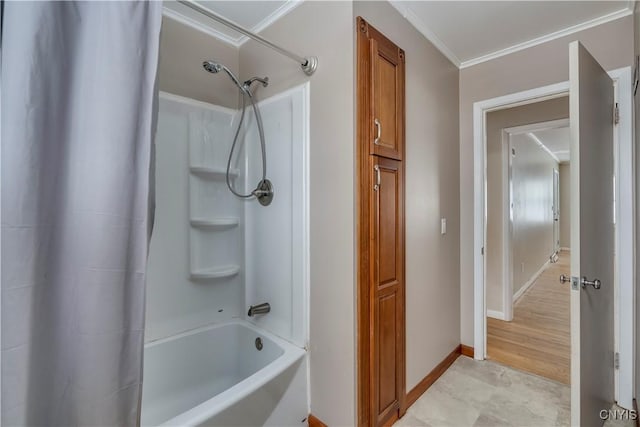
column 308, row 64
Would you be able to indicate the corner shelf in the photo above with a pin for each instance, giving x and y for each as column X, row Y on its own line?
column 215, row 272
column 212, row 173
column 215, row 223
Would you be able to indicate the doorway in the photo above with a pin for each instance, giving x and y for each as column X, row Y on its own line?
column 528, row 323
column 624, row 245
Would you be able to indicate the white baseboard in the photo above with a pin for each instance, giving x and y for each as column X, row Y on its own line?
column 530, row 282
column 495, row 314
column 563, row 249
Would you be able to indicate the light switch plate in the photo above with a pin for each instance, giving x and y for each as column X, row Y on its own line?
column 443, row 225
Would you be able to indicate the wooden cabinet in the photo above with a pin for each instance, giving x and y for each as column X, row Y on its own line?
column 381, row 232
column 387, row 280
column 387, row 98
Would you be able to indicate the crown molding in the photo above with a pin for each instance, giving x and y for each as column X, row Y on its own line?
column 422, row 27
column 562, row 153
column 196, row 25
column 283, row 10
column 273, row 17
column 549, row 37
column 544, row 147
column 419, row 25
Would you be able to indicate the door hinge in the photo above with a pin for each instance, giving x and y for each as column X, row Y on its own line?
column 616, row 114
column 376, row 186
column 482, row 251
column 616, row 360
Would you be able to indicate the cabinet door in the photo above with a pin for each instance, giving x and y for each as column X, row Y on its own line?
column 387, row 301
column 387, row 98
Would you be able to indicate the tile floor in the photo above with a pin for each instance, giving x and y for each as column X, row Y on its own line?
column 473, row 393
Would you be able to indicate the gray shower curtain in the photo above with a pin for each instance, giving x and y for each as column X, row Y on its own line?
column 78, row 90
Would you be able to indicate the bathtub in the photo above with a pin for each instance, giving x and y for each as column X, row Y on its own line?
column 194, row 377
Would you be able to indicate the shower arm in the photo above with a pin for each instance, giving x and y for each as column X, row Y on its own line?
column 308, row 64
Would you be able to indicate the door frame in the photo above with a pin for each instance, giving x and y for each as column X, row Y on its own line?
column 625, row 214
column 507, row 225
column 556, row 209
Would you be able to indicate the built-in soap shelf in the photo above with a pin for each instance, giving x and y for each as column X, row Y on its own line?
column 215, row 214
column 213, row 173
column 215, row 223
column 215, row 272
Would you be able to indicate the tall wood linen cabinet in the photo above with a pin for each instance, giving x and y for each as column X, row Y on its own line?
column 381, row 232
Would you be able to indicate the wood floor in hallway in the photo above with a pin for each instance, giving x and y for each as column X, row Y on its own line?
column 538, row 339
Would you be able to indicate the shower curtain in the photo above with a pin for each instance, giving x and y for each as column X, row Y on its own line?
column 78, row 94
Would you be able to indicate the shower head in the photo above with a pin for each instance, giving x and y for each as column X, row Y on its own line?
column 215, row 67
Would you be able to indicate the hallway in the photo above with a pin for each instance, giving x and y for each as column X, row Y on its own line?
column 538, row 338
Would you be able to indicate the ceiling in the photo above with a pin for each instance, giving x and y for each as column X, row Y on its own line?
column 467, row 32
column 505, row 26
column 252, row 15
column 557, row 141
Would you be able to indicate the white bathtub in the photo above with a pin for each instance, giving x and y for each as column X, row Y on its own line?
column 193, row 378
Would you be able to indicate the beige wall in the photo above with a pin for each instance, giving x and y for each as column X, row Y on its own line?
column 432, row 192
column 553, row 109
column 182, row 50
column 565, row 205
column 548, row 63
column 324, row 29
column 327, row 29
column 532, row 183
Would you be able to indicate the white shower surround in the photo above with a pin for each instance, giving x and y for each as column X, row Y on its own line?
column 276, row 236
column 272, row 242
column 175, row 303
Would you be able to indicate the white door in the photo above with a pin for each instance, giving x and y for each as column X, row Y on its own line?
column 556, row 211
column 592, row 238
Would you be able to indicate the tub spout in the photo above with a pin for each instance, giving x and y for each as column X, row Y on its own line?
column 259, row 309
